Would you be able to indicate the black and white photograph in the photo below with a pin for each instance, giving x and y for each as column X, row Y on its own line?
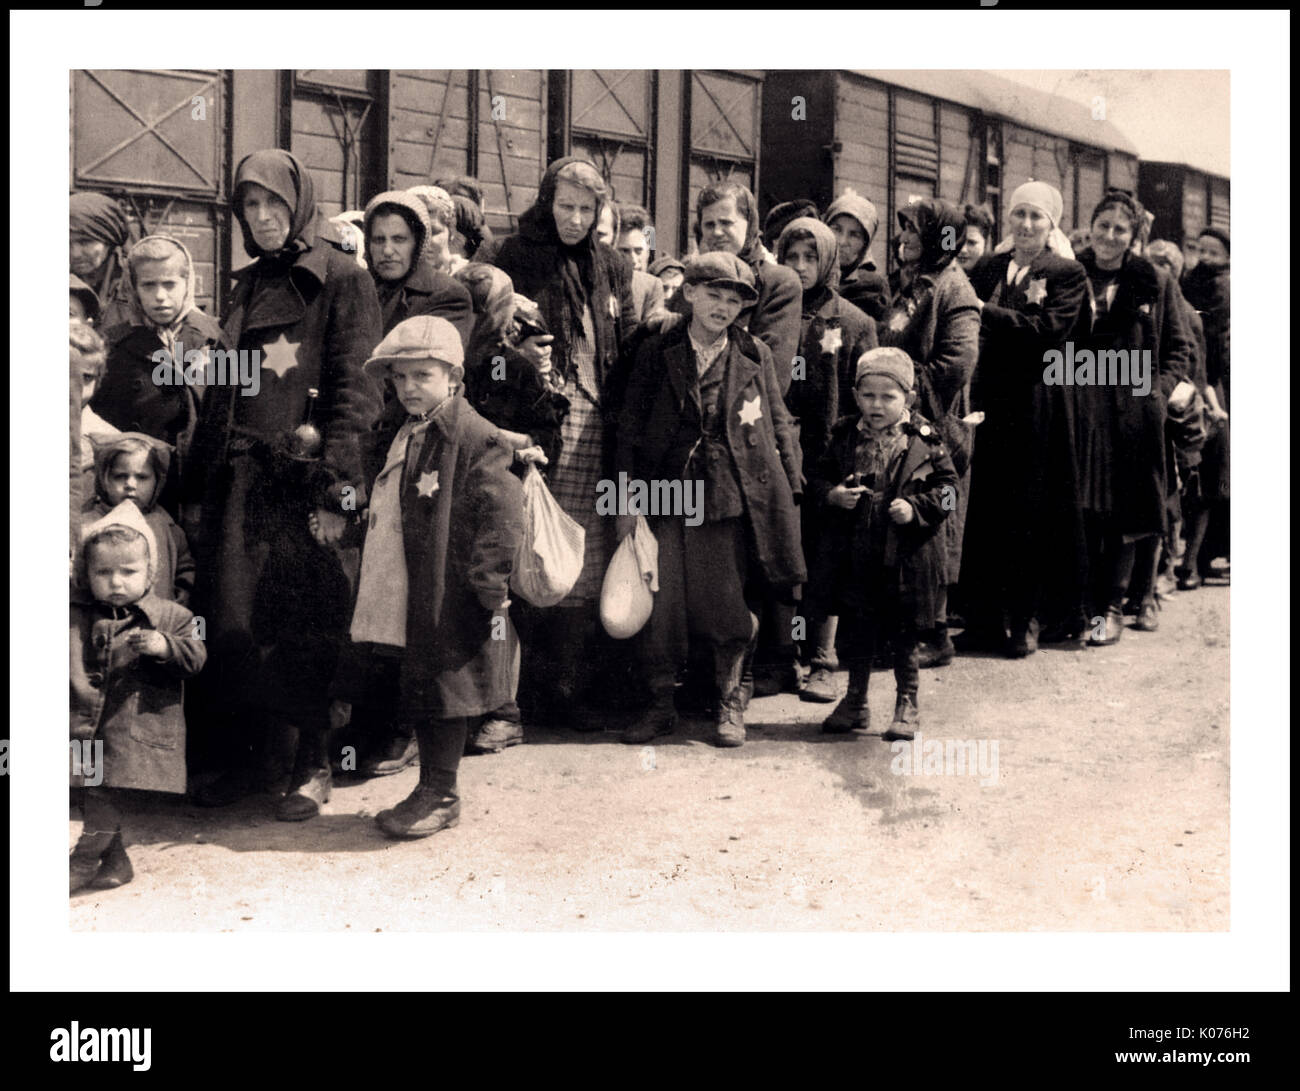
column 653, row 499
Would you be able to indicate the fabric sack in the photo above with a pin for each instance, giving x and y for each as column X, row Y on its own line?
column 550, row 555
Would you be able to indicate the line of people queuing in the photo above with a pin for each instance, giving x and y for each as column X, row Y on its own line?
column 325, row 556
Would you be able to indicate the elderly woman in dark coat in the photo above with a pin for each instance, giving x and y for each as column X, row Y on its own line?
column 98, row 235
column 275, row 594
column 583, row 289
column 1024, row 553
column 397, row 228
column 834, row 336
column 1120, row 426
column 935, row 319
column 854, row 220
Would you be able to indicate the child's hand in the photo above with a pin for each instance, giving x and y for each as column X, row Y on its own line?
column 148, row 642
column 326, row 526
column 340, row 714
column 843, row 496
column 537, row 350
column 532, row 454
column 974, row 418
column 900, row 511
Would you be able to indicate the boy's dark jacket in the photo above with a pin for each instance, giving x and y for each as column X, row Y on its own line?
column 460, row 546
column 662, row 423
column 845, row 567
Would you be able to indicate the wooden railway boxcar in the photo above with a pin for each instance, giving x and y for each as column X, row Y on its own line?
column 165, row 142
column 1184, row 200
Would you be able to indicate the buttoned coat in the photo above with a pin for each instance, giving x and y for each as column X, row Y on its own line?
column 662, row 424
column 845, row 566
column 131, row 703
column 462, row 522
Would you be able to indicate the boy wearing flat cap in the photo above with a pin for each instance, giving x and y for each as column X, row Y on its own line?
column 703, row 403
column 883, row 487
column 444, row 521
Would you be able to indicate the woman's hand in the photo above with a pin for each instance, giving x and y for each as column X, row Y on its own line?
column 846, row 496
column 900, row 511
column 148, row 642
column 531, row 455
column 326, row 526
column 537, row 351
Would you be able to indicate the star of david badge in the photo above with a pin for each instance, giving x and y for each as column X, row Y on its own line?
column 280, row 356
column 1037, row 290
column 832, row 339
column 428, row 483
column 898, row 322
column 751, row 411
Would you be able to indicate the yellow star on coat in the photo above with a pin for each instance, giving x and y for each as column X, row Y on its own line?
column 1037, row 290
column 752, row 410
column 832, row 339
column 280, row 356
column 428, row 483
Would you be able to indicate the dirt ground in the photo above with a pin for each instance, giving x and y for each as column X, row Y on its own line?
column 1109, row 812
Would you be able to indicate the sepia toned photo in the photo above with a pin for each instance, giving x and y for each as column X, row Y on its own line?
column 649, row 500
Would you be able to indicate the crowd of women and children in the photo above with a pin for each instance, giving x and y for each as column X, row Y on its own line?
column 294, row 531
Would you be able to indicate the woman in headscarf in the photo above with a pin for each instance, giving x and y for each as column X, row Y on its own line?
column 408, row 282
column 583, row 290
column 98, row 234
column 726, row 219
column 1024, row 554
column 1120, row 425
column 1207, row 286
column 854, row 220
column 834, row 334
column 276, row 594
column 935, row 319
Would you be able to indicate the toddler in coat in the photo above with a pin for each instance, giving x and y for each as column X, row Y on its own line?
column 885, row 484
column 130, row 652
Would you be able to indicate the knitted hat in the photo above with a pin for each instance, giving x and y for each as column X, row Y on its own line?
column 126, row 514
column 722, row 270
column 410, row 208
column 1039, row 195
column 436, row 200
column 850, row 203
column 890, row 362
column 424, row 337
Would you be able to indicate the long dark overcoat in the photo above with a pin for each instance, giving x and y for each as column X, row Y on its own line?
column 1119, row 435
column 275, row 601
column 1024, row 530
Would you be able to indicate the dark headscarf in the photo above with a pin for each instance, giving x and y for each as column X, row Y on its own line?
column 937, row 222
column 469, row 222
column 780, row 215
column 751, row 253
column 97, row 216
column 285, row 176
column 575, row 265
